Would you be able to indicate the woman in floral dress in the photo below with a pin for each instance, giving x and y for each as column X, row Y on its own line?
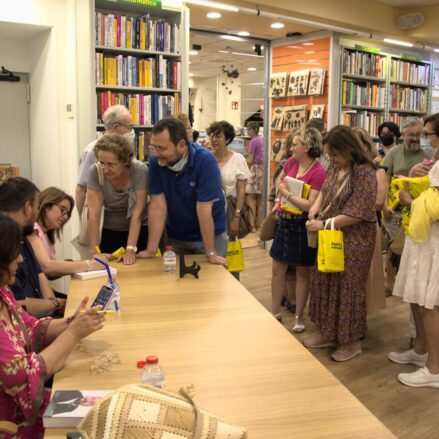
column 31, row 349
column 338, row 300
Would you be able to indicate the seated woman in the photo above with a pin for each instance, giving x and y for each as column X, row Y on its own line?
column 54, row 210
column 123, row 197
column 31, row 349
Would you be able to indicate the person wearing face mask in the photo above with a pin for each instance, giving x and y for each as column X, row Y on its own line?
column 389, row 134
column 19, row 200
column 117, row 120
column 186, row 194
column 123, row 196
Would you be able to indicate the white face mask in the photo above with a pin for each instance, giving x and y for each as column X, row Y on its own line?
column 427, row 148
column 130, row 135
column 177, row 167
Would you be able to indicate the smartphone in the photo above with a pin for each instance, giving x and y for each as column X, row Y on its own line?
column 103, row 296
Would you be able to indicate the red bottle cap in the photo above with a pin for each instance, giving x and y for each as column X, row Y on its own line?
column 169, row 247
column 151, row 359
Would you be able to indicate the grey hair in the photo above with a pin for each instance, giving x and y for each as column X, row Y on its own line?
column 113, row 115
column 411, row 122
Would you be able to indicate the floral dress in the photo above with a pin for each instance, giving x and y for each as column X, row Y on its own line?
column 23, row 397
column 338, row 300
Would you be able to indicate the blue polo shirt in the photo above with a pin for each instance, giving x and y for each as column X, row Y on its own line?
column 199, row 182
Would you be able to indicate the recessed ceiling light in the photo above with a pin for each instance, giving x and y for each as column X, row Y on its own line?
column 213, row 15
column 307, row 44
column 277, row 25
column 215, row 5
column 243, row 33
column 252, row 69
column 231, row 37
column 193, row 52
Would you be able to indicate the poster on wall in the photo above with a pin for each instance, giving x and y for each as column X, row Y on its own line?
column 277, row 114
column 298, row 83
column 316, row 82
column 317, row 111
column 294, row 118
column 278, row 84
column 277, row 150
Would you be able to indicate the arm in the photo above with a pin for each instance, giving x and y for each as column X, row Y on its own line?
column 301, row 203
column 382, row 188
column 240, row 199
column 94, row 200
column 80, row 194
column 280, row 180
column 340, row 221
column 133, row 235
column 37, row 307
column 250, row 159
column 156, row 221
column 207, row 229
column 316, row 207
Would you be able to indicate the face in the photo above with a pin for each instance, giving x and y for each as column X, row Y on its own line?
column 9, row 279
column 412, row 137
column 335, row 158
column 110, row 164
column 189, row 132
column 429, row 134
column 167, row 153
column 218, row 141
column 30, row 215
column 89, row 400
column 57, row 214
column 298, row 149
column 125, row 125
column 251, row 132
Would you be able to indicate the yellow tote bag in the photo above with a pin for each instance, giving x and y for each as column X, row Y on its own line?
column 330, row 252
column 235, row 256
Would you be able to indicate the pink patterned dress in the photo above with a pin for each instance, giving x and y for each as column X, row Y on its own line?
column 23, row 397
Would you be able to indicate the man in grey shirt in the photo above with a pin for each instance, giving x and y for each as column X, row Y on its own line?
column 117, row 120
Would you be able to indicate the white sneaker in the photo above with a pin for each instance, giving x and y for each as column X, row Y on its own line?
column 421, row 378
column 408, row 357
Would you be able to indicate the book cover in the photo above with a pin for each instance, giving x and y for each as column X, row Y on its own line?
column 316, row 82
column 277, row 114
column 298, row 83
column 299, row 189
column 294, row 118
column 68, row 407
column 278, row 84
column 317, row 111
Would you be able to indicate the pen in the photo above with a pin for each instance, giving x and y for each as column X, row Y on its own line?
column 98, row 250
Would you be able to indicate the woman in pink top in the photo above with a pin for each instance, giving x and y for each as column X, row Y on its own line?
column 290, row 244
column 54, row 210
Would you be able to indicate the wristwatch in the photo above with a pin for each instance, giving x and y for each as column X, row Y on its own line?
column 132, row 247
column 213, row 252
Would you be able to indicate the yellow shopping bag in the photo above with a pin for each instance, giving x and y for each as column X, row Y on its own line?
column 235, row 256
column 330, row 253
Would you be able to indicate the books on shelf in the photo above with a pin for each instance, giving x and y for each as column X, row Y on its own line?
column 406, row 71
column 408, row 99
column 132, row 71
column 145, row 109
column 68, row 407
column 363, row 119
column 143, row 33
column 363, row 93
column 363, row 63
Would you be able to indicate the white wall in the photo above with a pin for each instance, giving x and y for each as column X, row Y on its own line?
column 252, row 94
column 225, row 99
column 204, row 99
column 14, row 55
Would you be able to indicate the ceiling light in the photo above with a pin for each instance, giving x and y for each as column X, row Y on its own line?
column 193, row 52
column 244, row 33
column 307, row 44
column 215, row 5
column 232, row 37
column 398, row 42
column 277, row 25
column 247, row 54
column 252, row 69
column 213, row 15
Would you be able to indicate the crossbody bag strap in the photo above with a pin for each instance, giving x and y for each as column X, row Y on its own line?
column 337, row 194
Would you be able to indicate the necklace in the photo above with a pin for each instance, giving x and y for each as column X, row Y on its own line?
column 301, row 174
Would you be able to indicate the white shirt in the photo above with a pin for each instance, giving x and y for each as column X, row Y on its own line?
column 87, row 159
column 233, row 170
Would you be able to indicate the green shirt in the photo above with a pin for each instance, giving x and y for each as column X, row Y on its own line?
column 399, row 160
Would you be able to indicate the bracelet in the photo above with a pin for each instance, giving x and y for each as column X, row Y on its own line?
column 213, row 252
column 56, row 305
column 87, row 265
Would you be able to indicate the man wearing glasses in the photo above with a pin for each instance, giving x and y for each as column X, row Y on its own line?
column 117, row 120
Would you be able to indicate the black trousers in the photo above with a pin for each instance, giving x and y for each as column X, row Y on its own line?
column 111, row 240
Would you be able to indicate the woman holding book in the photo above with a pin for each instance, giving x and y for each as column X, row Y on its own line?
column 338, row 300
column 31, row 349
column 122, row 193
column 290, row 245
column 54, row 210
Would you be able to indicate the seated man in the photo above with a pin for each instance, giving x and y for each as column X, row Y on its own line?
column 185, row 189
column 19, row 201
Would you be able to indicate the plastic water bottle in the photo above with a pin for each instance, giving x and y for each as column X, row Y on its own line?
column 152, row 374
column 170, row 260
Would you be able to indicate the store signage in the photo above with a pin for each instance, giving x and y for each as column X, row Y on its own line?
column 367, row 49
column 150, row 3
column 410, row 57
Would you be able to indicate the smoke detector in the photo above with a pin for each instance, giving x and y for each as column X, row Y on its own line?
column 410, row 21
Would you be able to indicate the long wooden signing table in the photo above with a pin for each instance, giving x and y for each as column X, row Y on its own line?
column 211, row 332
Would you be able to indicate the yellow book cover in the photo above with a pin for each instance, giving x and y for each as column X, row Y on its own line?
column 140, row 142
column 148, row 74
column 293, row 186
column 142, row 34
column 129, row 34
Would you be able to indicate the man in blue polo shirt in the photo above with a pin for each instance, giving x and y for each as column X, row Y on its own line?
column 185, row 189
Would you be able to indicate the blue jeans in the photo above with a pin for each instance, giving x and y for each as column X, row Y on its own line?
column 197, row 247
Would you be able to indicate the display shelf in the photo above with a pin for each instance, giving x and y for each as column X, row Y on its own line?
column 137, row 52
column 137, row 89
column 362, row 107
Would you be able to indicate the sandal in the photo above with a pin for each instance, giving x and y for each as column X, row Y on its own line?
column 299, row 325
column 278, row 317
column 317, row 341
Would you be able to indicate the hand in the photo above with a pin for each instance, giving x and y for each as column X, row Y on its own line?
column 388, row 212
column 377, row 160
column 106, row 257
column 128, row 258
column 62, row 303
column 218, row 260
column 313, row 213
column 404, row 195
column 234, row 226
column 86, row 322
column 314, row 225
column 420, row 170
column 95, row 265
column 80, row 308
column 146, row 254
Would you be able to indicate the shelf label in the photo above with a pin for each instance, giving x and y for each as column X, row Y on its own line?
column 367, row 49
column 410, row 57
column 150, row 3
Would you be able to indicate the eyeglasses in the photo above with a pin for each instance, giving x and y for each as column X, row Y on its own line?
column 426, row 135
column 128, row 126
column 413, row 135
column 109, row 165
column 64, row 210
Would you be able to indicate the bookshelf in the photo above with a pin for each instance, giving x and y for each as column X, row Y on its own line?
column 140, row 62
column 378, row 87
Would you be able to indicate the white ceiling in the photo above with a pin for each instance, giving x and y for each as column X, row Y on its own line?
column 409, row 3
column 20, row 31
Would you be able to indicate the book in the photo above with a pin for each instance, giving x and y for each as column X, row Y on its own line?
column 87, row 275
column 299, row 189
column 294, row 118
column 298, row 84
column 68, row 407
column 278, row 84
column 316, row 82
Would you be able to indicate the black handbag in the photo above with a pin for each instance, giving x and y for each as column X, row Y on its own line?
column 244, row 223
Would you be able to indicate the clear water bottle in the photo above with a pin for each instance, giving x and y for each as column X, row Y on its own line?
column 170, row 260
column 152, row 374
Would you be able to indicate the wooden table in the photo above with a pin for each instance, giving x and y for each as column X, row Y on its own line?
column 211, row 332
